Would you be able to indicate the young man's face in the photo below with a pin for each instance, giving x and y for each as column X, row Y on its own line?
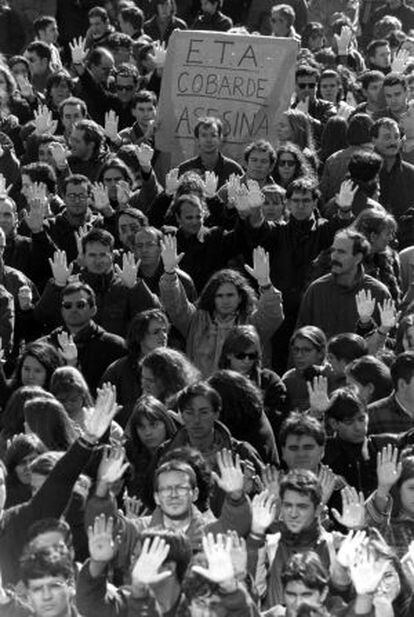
column 174, row 494
column 209, row 139
column 382, row 57
column 76, row 199
column 199, row 418
column 190, row 218
column 395, row 98
column 259, row 165
column 97, row 258
column 144, row 113
column 79, row 147
column 301, row 205
column 127, row 230
column 71, row 113
column 373, row 91
column 8, row 217
column 125, row 87
column 296, row 592
column 302, row 452
column 50, row 596
column 50, row 34
column 37, row 65
column 306, row 87
column 297, row 511
column 76, row 309
column 353, row 430
column 98, row 26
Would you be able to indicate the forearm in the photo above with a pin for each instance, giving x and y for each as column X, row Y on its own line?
column 92, row 598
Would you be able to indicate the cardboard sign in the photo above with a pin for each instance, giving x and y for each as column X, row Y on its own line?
column 247, row 81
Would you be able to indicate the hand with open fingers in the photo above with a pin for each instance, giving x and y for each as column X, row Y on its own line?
column 303, row 105
column 112, row 465
column 43, row 121
column 145, row 154
column 255, row 195
column 233, row 188
column 400, row 61
column 218, row 554
column 59, row 154
column 350, row 547
column 263, row 512
column 345, row 197
column 271, row 481
column 101, row 415
column 82, row 231
column 60, row 269
column 147, row 567
column 169, row 256
column 25, row 297
column 231, row 479
column 353, row 509
column 261, row 267
column 367, row 571
column 102, row 546
column 25, row 86
column 210, row 183
column 241, row 200
column 111, row 126
column 4, row 189
column 327, row 480
column 133, row 507
column 172, row 181
column 100, row 196
column 78, row 50
column 35, row 217
column 67, row 348
column 159, row 54
column 238, row 554
column 129, row 272
column 37, row 194
column 388, row 467
column 389, row 315
column 365, row 305
column 343, row 40
column 319, row 400
column 123, row 193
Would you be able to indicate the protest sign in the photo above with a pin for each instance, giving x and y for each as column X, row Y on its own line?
column 247, row 81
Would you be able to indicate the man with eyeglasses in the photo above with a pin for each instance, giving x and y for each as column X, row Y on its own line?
column 96, row 348
column 306, row 82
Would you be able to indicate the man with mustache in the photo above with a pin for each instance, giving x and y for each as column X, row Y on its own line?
column 329, row 302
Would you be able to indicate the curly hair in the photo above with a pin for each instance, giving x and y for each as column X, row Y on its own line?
column 248, row 300
column 301, row 128
column 302, row 166
column 171, row 369
column 138, row 328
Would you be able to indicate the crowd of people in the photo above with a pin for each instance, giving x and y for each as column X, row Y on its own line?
column 206, row 371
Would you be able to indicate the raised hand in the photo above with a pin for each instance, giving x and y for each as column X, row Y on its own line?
column 261, row 267
column 343, row 40
column 345, row 197
column 123, row 193
column 255, row 195
column 318, row 394
column 401, row 60
column 388, row 468
column 233, row 188
column 350, row 547
column 43, row 121
column 67, row 348
column 25, row 86
column 112, row 465
column 102, row 546
column 263, row 512
column 210, row 183
column 60, row 269
column 133, row 507
column 238, row 554
column 78, row 50
column 145, row 154
column 25, row 297
column 303, row 105
column 172, row 181
column 36, row 216
column 129, row 272
column 365, row 305
column 169, row 256
column 218, row 553
column 147, row 567
column 270, row 481
column 367, row 571
column 100, row 196
column 353, row 509
column 389, row 315
column 59, row 154
column 82, row 231
column 231, row 477
column 327, row 479
column 4, row 189
column 158, row 55
column 101, row 415
column 111, row 126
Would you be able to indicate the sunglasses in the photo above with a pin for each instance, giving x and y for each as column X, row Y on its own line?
column 245, row 356
column 286, row 163
column 304, row 86
column 80, row 304
column 126, row 88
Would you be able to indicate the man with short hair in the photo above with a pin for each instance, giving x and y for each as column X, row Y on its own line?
column 379, row 56
column 208, row 135
column 39, row 56
column 395, row 94
column 212, row 18
column 99, row 28
column 306, row 82
column 71, row 111
column 395, row 413
column 371, row 84
column 329, row 302
column 46, row 29
column 143, row 108
column 302, row 440
column 343, row 349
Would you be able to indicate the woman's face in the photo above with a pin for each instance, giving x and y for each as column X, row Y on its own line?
column 380, row 241
column 23, row 472
column 329, row 89
column 59, row 93
column 226, row 300
column 407, row 496
column 152, row 434
column 156, row 336
column 284, row 130
column 364, row 392
column 149, row 383
column 243, row 361
column 273, row 207
column 33, row 373
column 286, row 166
column 111, row 178
column 72, row 401
column 305, row 354
column 390, row 584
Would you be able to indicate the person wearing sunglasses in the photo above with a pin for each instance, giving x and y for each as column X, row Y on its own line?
column 291, row 163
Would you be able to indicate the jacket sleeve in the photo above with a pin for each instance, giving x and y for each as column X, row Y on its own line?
column 235, row 515
column 149, row 192
column 373, row 516
column 141, row 298
column 48, row 307
column 94, row 599
column 7, row 319
column 239, row 603
column 268, row 315
column 174, row 299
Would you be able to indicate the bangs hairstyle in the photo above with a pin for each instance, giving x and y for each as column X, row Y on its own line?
column 138, row 328
column 149, row 408
column 202, row 389
column 345, row 404
column 304, row 482
column 239, row 340
column 248, row 298
column 69, row 380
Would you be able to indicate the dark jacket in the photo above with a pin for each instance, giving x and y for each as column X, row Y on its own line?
column 218, row 22
column 387, row 416
column 151, row 28
column 223, row 169
column 124, row 374
column 97, row 349
column 402, row 176
column 31, row 256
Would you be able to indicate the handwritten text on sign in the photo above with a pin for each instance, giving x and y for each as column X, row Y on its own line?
column 245, row 80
